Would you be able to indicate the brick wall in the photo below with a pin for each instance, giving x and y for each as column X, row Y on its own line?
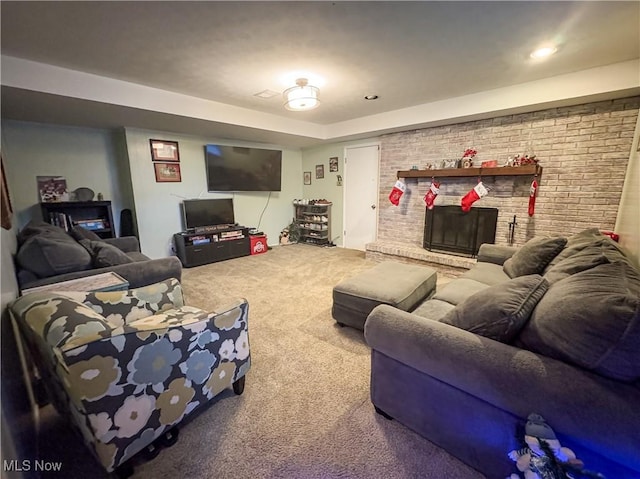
column 583, row 149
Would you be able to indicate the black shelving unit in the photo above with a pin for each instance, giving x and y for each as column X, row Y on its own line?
column 93, row 215
column 314, row 222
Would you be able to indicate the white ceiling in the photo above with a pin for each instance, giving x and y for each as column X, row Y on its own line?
column 195, row 56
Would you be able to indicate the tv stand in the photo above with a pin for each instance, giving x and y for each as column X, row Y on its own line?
column 216, row 243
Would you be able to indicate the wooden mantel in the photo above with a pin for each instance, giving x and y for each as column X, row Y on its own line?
column 525, row 170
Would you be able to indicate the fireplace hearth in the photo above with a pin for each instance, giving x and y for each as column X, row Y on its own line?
column 449, row 229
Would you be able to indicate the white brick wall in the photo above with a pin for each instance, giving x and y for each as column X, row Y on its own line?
column 583, row 149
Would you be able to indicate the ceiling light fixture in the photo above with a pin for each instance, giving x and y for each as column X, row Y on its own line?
column 543, row 52
column 371, row 97
column 301, row 97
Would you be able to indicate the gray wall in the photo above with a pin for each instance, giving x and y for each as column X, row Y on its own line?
column 327, row 187
column 87, row 157
column 118, row 164
column 158, row 204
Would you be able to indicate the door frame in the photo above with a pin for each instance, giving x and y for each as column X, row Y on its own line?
column 345, row 182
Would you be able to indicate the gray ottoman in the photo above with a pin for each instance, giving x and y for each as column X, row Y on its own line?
column 403, row 286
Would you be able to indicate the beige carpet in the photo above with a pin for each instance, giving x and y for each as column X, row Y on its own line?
column 305, row 412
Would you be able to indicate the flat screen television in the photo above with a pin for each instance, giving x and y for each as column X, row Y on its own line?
column 235, row 168
column 207, row 212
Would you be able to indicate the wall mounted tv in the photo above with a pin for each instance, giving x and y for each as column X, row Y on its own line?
column 207, row 212
column 234, row 168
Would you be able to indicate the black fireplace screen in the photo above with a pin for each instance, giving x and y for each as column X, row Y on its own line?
column 448, row 228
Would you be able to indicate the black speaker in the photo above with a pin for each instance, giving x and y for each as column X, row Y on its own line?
column 127, row 227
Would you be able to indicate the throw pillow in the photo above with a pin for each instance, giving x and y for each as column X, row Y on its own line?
column 36, row 228
column 500, row 311
column 588, row 258
column 105, row 254
column 591, row 319
column 47, row 256
column 534, row 256
column 576, row 243
column 80, row 233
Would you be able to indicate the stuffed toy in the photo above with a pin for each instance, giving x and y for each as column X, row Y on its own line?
column 284, row 237
column 543, row 457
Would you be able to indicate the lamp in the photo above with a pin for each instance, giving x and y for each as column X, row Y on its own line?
column 301, row 97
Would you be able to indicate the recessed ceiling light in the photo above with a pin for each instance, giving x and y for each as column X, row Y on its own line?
column 543, row 52
column 371, row 97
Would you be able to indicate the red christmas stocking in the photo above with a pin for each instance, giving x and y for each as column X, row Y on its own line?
column 396, row 192
column 474, row 195
column 533, row 192
column 432, row 193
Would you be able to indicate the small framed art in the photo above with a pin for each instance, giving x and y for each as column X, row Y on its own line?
column 319, row 172
column 52, row 188
column 167, row 172
column 162, row 150
column 333, row 164
column 307, row 177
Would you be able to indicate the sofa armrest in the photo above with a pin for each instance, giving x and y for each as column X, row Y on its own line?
column 142, row 273
column 128, row 244
column 496, row 254
column 138, row 273
column 515, row 380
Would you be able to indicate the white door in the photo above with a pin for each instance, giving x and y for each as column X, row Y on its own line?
column 360, row 195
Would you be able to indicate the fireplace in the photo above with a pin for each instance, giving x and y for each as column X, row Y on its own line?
column 449, row 229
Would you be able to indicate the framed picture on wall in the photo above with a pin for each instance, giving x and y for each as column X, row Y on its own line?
column 319, row 172
column 162, row 150
column 333, row 164
column 307, row 177
column 52, row 188
column 167, row 172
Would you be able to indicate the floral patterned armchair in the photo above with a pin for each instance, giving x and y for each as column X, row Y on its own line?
column 127, row 366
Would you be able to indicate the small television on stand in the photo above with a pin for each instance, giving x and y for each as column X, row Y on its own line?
column 202, row 214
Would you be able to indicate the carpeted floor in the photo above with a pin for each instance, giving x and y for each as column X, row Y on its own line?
column 305, row 412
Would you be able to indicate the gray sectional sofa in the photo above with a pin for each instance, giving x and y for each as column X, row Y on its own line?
column 48, row 254
column 551, row 328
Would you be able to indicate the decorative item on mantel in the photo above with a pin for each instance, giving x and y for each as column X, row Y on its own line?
column 521, row 160
column 467, row 157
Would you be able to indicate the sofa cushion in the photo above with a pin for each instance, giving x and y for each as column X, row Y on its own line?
column 49, row 255
column 487, row 273
column 591, row 319
column 575, row 244
column 137, row 256
column 458, row 290
column 500, row 311
column 588, row 258
column 79, row 233
column 35, row 228
column 433, row 309
column 105, row 254
column 534, row 256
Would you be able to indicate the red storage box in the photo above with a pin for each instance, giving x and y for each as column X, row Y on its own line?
column 258, row 244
